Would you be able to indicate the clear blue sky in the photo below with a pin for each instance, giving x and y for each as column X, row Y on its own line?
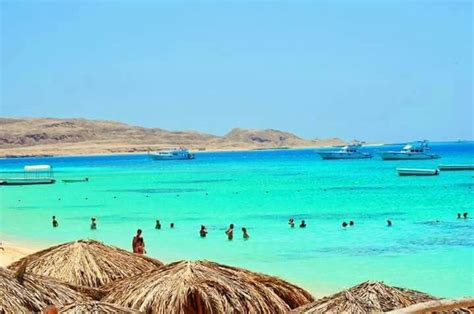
column 391, row 71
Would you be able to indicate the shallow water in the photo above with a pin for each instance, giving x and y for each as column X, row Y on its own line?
column 261, row 190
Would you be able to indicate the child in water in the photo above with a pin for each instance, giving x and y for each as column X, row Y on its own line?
column 55, row 222
column 230, row 232
column 245, row 234
column 140, row 246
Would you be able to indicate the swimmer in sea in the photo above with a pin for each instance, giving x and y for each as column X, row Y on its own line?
column 351, row 223
column 344, row 224
column 389, row 223
column 303, row 224
column 93, row 223
column 245, row 234
column 203, row 231
column 158, row 225
column 230, row 232
column 291, row 222
column 55, row 222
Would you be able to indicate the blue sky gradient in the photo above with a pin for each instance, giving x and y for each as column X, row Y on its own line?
column 376, row 71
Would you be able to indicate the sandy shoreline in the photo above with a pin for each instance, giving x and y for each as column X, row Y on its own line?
column 11, row 253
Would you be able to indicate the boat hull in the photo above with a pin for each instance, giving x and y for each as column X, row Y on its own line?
column 407, row 156
column 21, row 181
column 156, row 157
column 456, row 167
column 417, row 172
column 340, row 155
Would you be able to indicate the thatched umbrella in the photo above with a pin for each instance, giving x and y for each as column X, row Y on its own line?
column 205, row 287
column 87, row 263
column 20, row 292
column 95, row 307
column 367, row 297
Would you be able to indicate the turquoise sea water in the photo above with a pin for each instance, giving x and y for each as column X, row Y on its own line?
column 261, row 190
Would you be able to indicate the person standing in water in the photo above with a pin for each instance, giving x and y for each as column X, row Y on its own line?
column 55, row 222
column 351, row 223
column 459, row 215
column 135, row 240
column 203, row 231
column 389, row 223
column 93, row 223
column 158, row 225
column 230, row 232
column 344, row 224
column 303, row 224
column 245, row 234
column 465, row 215
column 291, row 222
column 172, row 225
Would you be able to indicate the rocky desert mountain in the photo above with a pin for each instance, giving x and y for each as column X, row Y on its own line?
column 52, row 136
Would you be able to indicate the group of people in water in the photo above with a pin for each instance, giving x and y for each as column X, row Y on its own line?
column 463, row 215
column 138, row 244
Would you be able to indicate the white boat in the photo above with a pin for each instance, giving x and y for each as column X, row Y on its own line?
column 415, row 151
column 417, row 172
column 346, row 152
column 172, row 154
column 456, row 167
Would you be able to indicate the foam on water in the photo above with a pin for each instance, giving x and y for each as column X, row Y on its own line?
column 261, row 190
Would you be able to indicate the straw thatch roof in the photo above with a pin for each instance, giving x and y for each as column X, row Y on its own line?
column 205, row 287
column 21, row 292
column 95, row 307
column 367, row 297
column 87, row 263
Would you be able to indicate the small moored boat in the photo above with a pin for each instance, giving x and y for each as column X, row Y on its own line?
column 346, row 152
column 38, row 174
column 75, row 180
column 417, row 172
column 456, row 167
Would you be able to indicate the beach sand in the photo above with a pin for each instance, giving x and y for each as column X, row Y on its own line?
column 12, row 253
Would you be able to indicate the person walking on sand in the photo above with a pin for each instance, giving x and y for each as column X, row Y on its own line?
column 135, row 240
column 230, row 232
column 245, row 234
column 55, row 222
column 93, row 223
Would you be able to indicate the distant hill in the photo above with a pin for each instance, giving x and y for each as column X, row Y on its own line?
column 39, row 136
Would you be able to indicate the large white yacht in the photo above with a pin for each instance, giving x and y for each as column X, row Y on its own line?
column 347, row 152
column 172, row 154
column 415, row 151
